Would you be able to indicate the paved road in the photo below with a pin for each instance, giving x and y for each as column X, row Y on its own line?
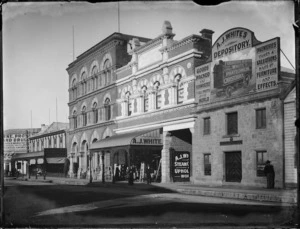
column 45, row 204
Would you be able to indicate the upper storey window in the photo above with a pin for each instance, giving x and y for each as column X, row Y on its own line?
column 157, row 95
column 107, row 107
column 83, row 81
column 74, row 90
column 95, row 112
column 107, row 71
column 179, row 89
column 75, row 119
column 145, row 98
column 84, row 116
column 95, row 78
column 129, row 104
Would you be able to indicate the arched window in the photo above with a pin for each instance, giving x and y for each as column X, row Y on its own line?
column 95, row 112
column 42, row 144
column 38, row 145
column 107, row 108
column 74, row 90
column 179, row 92
column 94, row 73
column 84, row 116
column 84, row 87
column 107, row 70
column 145, row 98
column 129, row 103
column 61, row 142
column 50, row 145
column 157, row 95
column 75, row 119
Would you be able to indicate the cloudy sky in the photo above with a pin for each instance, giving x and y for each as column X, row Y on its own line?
column 38, row 42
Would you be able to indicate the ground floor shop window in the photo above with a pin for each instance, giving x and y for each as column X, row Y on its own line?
column 207, row 164
column 260, row 162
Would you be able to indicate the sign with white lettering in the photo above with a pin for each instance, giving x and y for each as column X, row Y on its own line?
column 181, row 166
column 238, row 67
column 267, row 65
column 203, row 75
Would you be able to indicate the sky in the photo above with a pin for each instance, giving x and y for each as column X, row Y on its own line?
column 38, row 42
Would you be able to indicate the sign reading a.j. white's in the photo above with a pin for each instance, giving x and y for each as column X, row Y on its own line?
column 267, row 63
column 240, row 65
column 181, row 166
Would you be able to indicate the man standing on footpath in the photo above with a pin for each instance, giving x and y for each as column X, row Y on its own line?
column 270, row 174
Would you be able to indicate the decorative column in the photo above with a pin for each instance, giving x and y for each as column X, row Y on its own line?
column 71, row 173
column 165, row 158
column 103, row 167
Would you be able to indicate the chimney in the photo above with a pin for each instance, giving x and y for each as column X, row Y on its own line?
column 207, row 34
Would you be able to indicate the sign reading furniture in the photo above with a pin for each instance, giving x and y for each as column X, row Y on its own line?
column 240, row 65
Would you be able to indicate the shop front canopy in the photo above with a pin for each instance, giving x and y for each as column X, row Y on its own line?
column 146, row 137
column 48, row 155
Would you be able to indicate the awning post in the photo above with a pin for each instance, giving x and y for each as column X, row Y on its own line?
column 36, row 171
column 103, row 169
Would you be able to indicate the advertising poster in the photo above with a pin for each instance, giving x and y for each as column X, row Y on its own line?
column 181, row 166
column 238, row 67
column 203, row 75
column 267, row 65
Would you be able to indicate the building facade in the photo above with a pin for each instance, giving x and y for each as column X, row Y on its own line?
column 188, row 110
column 47, row 150
column 16, row 141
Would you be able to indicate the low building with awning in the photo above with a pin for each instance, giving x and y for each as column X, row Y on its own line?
column 122, row 151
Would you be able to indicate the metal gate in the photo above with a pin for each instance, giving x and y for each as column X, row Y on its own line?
column 233, row 166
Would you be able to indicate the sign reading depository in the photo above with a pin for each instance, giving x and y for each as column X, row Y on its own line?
column 239, row 65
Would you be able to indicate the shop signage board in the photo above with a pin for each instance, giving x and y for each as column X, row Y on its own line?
column 240, row 65
column 181, row 166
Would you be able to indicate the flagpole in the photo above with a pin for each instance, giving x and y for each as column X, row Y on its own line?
column 118, row 17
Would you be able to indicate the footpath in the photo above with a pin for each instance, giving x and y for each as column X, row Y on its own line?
column 285, row 196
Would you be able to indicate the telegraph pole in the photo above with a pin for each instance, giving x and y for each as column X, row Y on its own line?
column 296, row 26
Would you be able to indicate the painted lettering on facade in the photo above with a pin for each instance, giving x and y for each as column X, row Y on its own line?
column 146, row 141
column 203, row 75
column 267, row 65
column 181, row 166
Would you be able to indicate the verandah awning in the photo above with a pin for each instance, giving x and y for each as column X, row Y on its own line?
column 146, row 137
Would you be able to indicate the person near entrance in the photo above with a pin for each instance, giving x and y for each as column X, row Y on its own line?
column 148, row 174
column 130, row 176
column 270, row 174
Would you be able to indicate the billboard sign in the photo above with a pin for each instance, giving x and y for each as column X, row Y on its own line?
column 238, row 67
column 181, row 166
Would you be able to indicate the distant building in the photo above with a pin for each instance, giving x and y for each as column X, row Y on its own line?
column 16, row 141
column 47, row 149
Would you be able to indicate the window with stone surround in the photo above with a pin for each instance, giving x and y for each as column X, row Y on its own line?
column 261, row 158
column 107, row 107
column 129, row 103
column 55, row 142
column 207, row 164
column 145, row 99
column 232, row 123
column 179, row 89
column 107, row 70
column 84, row 116
column 75, row 119
column 206, row 126
column 94, row 74
column 157, row 95
column 95, row 112
column 261, row 122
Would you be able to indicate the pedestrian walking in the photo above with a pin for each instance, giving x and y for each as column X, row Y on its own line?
column 270, row 174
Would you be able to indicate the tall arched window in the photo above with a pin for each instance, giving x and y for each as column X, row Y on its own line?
column 107, row 70
column 107, row 108
column 54, row 142
column 179, row 92
column 61, row 142
column 95, row 112
column 38, row 145
column 75, row 119
column 50, row 145
column 95, row 77
column 74, row 90
column 42, row 144
column 145, row 98
column 84, row 116
column 84, row 87
column 157, row 95
column 129, row 104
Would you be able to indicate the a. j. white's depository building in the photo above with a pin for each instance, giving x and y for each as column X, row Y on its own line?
column 191, row 110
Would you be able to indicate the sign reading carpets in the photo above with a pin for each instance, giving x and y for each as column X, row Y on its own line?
column 181, row 166
column 240, row 65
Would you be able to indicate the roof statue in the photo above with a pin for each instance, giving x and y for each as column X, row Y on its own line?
column 167, row 28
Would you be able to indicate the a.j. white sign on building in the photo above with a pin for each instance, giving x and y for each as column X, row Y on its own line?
column 240, row 65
